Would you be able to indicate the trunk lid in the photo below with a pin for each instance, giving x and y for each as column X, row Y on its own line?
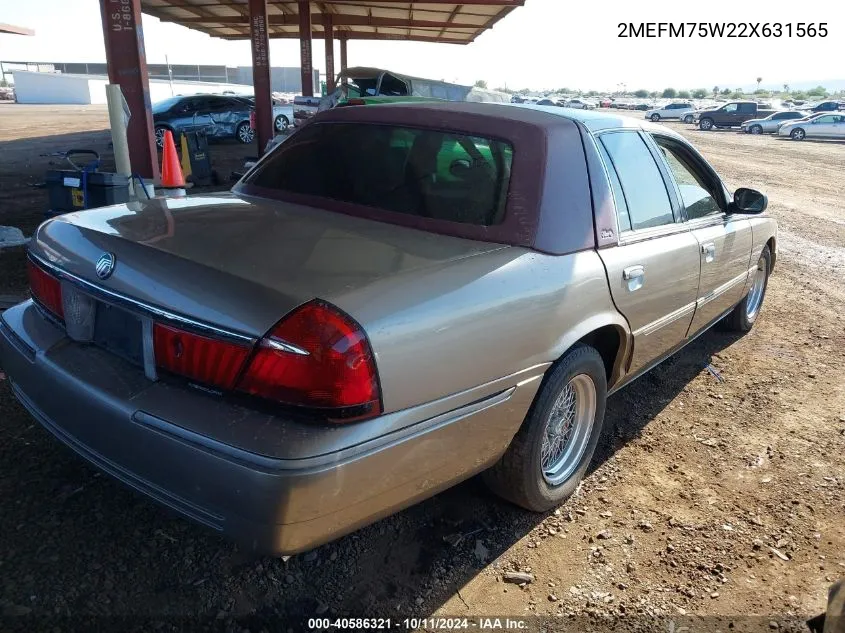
column 234, row 263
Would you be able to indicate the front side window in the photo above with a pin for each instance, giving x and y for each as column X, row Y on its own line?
column 731, row 108
column 642, row 184
column 426, row 173
column 695, row 190
column 825, row 119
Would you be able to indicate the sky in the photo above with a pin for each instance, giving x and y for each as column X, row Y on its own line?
column 545, row 45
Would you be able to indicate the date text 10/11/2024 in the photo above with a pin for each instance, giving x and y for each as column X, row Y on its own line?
column 417, row 624
column 722, row 29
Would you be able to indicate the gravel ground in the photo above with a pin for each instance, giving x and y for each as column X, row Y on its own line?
column 719, row 499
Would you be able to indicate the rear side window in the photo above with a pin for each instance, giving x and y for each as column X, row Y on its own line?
column 426, row 173
column 642, row 184
column 622, row 215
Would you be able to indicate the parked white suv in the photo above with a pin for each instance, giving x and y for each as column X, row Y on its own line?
column 670, row 111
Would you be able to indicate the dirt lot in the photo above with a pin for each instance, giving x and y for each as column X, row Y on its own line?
column 708, row 498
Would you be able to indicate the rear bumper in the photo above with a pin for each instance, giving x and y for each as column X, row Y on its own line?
column 279, row 506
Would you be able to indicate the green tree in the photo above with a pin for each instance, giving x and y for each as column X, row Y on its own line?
column 759, row 81
column 737, row 94
column 726, row 92
column 715, row 91
column 684, row 94
column 593, row 93
column 786, row 88
column 762, row 92
column 818, row 91
column 670, row 93
column 797, row 94
column 654, row 94
column 505, row 89
column 699, row 93
column 641, row 94
column 480, row 84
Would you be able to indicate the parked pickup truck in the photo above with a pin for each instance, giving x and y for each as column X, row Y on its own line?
column 732, row 114
column 350, row 331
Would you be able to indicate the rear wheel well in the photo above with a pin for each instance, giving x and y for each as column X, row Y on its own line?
column 607, row 341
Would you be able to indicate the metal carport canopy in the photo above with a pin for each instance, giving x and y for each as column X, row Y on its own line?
column 426, row 21
column 437, row 21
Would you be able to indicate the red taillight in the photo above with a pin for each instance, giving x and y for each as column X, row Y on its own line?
column 45, row 288
column 316, row 357
column 205, row 360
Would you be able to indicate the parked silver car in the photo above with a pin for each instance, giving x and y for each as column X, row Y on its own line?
column 771, row 123
column 826, row 125
column 457, row 291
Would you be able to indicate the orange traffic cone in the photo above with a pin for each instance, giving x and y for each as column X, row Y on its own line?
column 171, row 170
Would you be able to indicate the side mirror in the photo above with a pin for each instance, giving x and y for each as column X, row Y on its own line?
column 748, row 201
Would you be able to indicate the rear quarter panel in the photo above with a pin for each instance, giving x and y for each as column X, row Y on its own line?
column 443, row 330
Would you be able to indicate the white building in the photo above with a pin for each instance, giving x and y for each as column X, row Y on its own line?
column 60, row 88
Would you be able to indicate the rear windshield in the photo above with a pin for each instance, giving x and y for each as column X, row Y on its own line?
column 163, row 106
column 426, row 173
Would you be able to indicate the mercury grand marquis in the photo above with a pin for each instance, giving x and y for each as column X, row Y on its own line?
column 395, row 299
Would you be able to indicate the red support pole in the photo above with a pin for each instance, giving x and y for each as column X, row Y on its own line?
column 127, row 67
column 329, row 37
column 260, row 40
column 306, row 62
column 342, row 51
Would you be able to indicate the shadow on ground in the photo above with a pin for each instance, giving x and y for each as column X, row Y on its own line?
column 79, row 544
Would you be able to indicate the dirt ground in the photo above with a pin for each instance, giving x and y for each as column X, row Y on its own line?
column 709, row 497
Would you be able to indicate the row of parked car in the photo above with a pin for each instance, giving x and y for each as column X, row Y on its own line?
column 824, row 120
column 576, row 104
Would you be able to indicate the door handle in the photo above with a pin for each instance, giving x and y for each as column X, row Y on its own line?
column 634, row 275
column 709, row 251
column 633, row 272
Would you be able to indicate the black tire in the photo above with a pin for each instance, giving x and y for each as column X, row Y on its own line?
column 244, row 133
column 655, row 117
column 756, row 129
column 518, row 475
column 798, row 134
column 689, row 119
column 705, row 125
column 741, row 318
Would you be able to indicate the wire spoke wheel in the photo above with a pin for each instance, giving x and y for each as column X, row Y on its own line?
column 567, row 430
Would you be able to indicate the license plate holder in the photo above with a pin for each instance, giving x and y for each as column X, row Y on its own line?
column 119, row 332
